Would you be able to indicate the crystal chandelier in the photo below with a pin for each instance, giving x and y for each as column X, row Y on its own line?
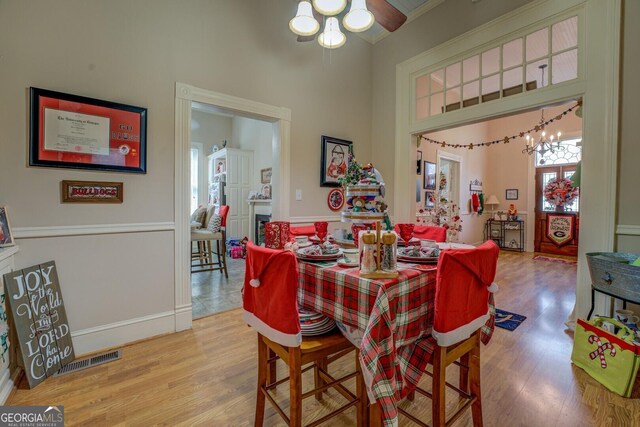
column 543, row 144
column 357, row 20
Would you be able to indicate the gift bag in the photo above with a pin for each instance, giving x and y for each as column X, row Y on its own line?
column 610, row 359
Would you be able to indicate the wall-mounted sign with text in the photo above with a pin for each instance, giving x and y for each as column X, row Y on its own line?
column 40, row 321
column 92, row 192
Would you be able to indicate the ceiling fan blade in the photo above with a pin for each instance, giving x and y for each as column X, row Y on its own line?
column 386, row 15
column 320, row 20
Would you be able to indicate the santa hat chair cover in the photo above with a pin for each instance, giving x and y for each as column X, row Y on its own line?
column 269, row 295
column 463, row 283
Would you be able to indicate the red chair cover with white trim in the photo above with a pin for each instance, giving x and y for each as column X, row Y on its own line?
column 462, row 294
column 302, row 230
column 269, row 296
column 430, row 232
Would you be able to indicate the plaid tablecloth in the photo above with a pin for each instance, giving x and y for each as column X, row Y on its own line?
column 396, row 316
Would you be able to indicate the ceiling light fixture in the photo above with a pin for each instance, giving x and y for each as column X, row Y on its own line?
column 359, row 18
column 332, row 37
column 543, row 144
column 329, row 7
column 304, row 24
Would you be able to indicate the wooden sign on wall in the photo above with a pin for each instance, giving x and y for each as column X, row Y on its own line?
column 40, row 320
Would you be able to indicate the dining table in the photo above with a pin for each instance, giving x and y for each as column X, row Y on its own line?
column 393, row 318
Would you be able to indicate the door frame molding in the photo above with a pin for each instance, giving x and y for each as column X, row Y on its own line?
column 597, row 83
column 279, row 117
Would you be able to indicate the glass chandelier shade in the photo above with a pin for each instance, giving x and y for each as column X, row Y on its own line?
column 332, row 37
column 329, row 7
column 304, row 24
column 359, row 18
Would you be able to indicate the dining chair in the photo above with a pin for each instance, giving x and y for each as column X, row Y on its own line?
column 464, row 281
column 431, row 232
column 203, row 258
column 269, row 301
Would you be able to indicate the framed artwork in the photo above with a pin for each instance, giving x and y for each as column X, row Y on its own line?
column 430, row 199
column 511, row 194
column 429, row 175
column 6, row 238
column 266, row 191
column 419, row 163
column 265, row 176
column 334, row 161
column 335, row 199
column 70, row 131
column 92, row 192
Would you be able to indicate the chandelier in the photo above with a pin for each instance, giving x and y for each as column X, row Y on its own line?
column 358, row 19
column 544, row 144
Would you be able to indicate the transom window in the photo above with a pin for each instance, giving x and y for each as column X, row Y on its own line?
column 519, row 65
column 570, row 152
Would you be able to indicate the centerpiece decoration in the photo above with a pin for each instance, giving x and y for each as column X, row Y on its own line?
column 560, row 192
column 367, row 211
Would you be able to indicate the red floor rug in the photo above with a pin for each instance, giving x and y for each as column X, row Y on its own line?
column 552, row 259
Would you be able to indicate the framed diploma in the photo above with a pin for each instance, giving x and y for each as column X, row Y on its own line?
column 71, row 131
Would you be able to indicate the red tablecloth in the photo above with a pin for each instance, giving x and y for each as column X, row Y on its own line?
column 396, row 316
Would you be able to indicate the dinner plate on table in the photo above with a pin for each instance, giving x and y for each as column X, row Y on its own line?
column 342, row 263
column 418, row 259
column 325, row 257
column 413, row 241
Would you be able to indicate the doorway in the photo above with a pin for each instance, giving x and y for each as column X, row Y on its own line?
column 552, row 169
column 280, row 119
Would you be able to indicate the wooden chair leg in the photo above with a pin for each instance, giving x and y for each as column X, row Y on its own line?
column 375, row 415
column 262, row 382
column 438, row 389
column 474, row 382
column 271, row 369
column 362, row 415
column 224, row 256
column 295, row 387
column 463, row 383
column 317, row 379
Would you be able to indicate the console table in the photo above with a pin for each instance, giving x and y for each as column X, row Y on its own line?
column 508, row 235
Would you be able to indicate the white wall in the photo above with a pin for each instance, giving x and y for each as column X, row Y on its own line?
column 134, row 53
column 211, row 130
column 257, row 136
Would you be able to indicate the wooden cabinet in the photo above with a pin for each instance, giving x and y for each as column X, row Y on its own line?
column 508, row 235
column 235, row 168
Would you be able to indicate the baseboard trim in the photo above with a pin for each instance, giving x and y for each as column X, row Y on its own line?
column 6, row 386
column 85, row 230
column 119, row 333
column 184, row 317
column 628, row 230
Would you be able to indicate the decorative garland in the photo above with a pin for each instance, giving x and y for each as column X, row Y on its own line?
column 560, row 192
column 507, row 139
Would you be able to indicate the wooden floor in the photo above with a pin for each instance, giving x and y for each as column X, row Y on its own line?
column 206, row 376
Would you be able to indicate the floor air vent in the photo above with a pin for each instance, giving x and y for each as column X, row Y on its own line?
column 78, row 365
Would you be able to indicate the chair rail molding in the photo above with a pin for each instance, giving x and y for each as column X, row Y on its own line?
column 92, row 229
column 628, row 230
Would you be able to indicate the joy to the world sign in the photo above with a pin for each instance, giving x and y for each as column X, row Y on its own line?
column 40, row 320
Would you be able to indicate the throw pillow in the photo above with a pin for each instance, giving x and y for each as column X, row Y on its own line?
column 214, row 223
column 198, row 215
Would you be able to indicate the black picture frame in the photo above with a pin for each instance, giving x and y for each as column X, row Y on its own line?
column 429, row 175
column 511, row 194
column 419, row 163
column 334, row 160
column 77, row 132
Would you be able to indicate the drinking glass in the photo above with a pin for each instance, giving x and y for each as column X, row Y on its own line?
column 406, row 232
column 321, row 229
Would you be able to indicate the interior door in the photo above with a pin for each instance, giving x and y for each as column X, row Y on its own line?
column 541, row 242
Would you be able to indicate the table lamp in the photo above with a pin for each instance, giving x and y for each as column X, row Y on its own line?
column 492, row 201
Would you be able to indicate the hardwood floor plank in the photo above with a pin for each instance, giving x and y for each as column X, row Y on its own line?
column 207, row 376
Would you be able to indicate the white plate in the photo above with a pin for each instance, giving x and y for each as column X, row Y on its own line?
column 341, row 263
column 418, row 260
column 327, row 257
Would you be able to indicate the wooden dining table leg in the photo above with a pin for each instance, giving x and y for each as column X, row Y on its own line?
column 375, row 415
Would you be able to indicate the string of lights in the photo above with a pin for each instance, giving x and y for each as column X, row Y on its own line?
column 507, row 139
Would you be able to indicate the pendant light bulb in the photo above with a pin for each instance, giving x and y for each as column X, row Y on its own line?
column 304, row 24
column 329, row 7
column 332, row 37
column 359, row 18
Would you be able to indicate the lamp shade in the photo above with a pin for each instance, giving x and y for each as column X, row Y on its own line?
column 492, row 200
column 332, row 37
column 304, row 24
column 359, row 18
column 329, row 7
